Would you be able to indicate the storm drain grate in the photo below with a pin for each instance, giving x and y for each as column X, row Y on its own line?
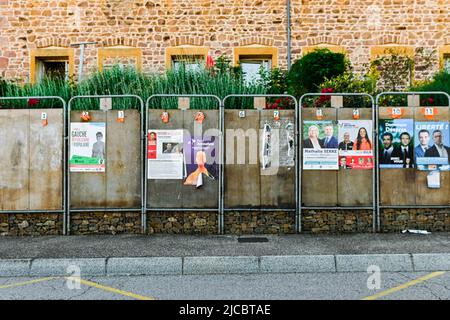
column 252, row 239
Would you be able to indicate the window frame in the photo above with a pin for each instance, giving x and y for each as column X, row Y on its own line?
column 444, row 52
column 185, row 50
column 48, row 53
column 257, row 53
column 332, row 47
column 377, row 51
column 119, row 52
column 409, row 51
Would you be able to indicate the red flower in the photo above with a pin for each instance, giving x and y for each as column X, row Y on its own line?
column 210, row 63
column 327, row 90
column 33, row 102
column 430, row 100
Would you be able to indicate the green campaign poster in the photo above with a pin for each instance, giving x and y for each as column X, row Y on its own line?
column 87, row 147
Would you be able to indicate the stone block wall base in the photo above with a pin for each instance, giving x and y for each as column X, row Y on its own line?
column 205, row 223
column 236, row 223
column 337, row 221
column 256, row 222
column 85, row 223
column 396, row 220
column 32, row 224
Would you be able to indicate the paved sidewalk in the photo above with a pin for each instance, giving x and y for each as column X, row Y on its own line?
column 184, row 245
column 177, row 255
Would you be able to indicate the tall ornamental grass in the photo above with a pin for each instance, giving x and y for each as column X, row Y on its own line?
column 46, row 88
column 120, row 81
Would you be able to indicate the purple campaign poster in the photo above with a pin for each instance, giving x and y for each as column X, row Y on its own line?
column 201, row 162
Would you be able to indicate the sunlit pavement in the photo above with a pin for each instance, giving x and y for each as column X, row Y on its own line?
column 393, row 285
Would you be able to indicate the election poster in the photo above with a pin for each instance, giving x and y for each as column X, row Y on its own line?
column 87, row 147
column 165, row 154
column 320, row 145
column 201, row 160
column 432, row 145
column 396, row 144
column 355, row 144
column 277, row 145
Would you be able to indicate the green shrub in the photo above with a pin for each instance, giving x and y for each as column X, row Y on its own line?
column 348, row 82
column 440, row 82
column 276, row 82
column 311, row 70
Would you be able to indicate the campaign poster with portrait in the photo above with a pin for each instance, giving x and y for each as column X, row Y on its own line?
column 355, row 144
column 165, row 154
column 87, row 147
column 320, row 145
column 396, row 143
column 431, row 148
column 201, row 160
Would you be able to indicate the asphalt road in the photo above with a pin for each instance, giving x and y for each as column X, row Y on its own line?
column 334, row 286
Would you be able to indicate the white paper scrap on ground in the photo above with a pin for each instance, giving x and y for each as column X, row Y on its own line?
column 416, row 231
column 434, row 180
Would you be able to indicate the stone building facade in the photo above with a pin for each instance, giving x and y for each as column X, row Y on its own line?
column 152, row 34
column 148, row 33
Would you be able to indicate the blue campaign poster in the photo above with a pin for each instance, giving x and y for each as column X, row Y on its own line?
column 396, row 143
column 431, row 149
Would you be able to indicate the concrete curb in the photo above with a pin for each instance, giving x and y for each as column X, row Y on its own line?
column 15, row 267
column 220, row 265
column 223, row 265
column 145, row 266
column 66, row 267
column 431, row 261
column 391, row 262
column 297, row 264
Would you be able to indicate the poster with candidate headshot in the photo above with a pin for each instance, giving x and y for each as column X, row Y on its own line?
column 396, row 143
column 87, row 147
column 431, row 148
column 165, row 154
column 320, row 145
column 355, row 144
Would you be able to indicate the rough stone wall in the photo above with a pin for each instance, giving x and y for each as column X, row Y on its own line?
column 31, row 224
column 220, row 25
column 396, row 220
column 204, row 223
column 255, row 222
column 236, row 223
column 358, row 25
column 4, row 224
column 105, row 223
column 150, row 25
column 337, row 221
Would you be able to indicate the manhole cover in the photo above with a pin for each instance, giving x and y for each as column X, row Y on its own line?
column 252, row 239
